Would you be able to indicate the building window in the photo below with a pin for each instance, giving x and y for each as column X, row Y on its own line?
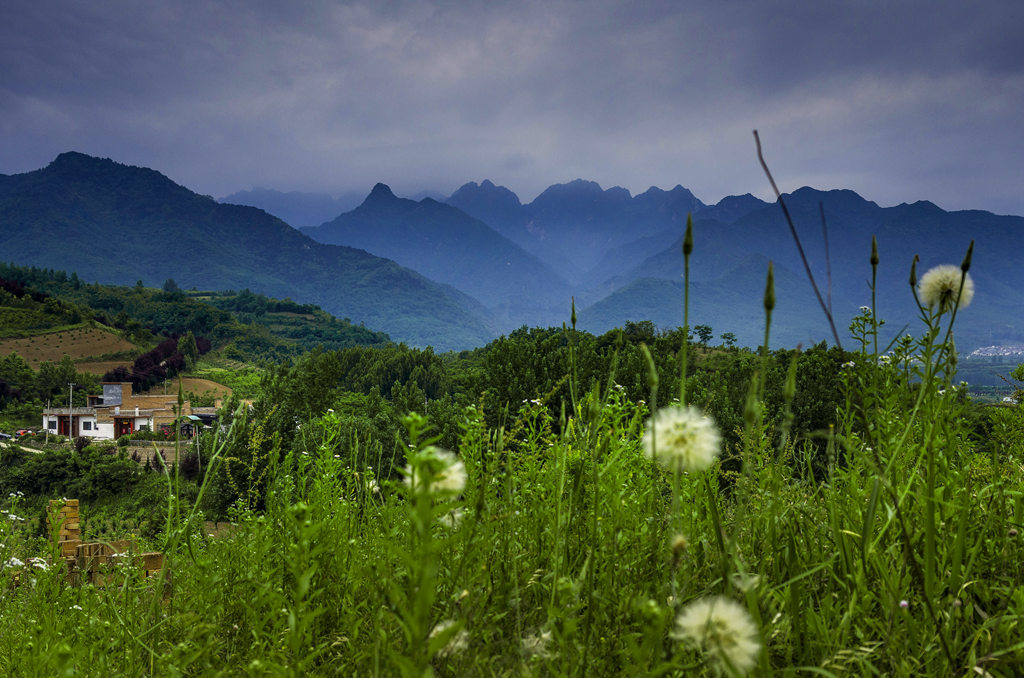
column 51, row 424
column 86, row 425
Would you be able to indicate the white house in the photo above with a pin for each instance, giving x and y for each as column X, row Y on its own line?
column 115, row 413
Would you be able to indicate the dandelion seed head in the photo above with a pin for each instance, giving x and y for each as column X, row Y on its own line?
column 940, row 287
column 453, row 518
column 452, row 478
column 682, row 438
column 457, row 644
column 723, row 629
column 536, row 644
column 443, row 472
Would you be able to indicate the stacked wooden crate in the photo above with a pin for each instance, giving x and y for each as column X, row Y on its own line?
column 96, row 562
column 65, row 513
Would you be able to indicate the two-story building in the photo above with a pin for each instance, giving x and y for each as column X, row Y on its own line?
column 116, row 413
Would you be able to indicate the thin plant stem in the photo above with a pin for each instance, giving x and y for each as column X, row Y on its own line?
column 796, row 239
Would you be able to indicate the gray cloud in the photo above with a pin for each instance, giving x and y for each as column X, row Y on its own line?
column 897, row 100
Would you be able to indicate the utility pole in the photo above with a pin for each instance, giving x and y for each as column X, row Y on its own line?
column 71, row 409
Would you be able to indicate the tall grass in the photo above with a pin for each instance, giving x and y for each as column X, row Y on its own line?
column 568, row 552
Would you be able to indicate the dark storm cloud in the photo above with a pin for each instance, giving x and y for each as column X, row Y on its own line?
column 897, row 100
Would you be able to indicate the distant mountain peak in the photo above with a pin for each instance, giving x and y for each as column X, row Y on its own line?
column 75, row 159
column 473, row 193
column 582, row 190
column 380, row 191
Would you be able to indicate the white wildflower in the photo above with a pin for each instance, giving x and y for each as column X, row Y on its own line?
column 940, row 287
column 14, row 562
column 865, row 309
column 723, row 629
column 850, row 364
column 39, row 563
column 682, row 438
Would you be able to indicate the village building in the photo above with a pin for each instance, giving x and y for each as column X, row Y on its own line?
column 116, row 413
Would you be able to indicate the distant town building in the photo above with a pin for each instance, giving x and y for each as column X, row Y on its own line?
column 995, row 351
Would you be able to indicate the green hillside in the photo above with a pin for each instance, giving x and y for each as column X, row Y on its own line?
column 241, row 325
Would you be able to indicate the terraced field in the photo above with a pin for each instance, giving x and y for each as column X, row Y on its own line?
column 82, row 342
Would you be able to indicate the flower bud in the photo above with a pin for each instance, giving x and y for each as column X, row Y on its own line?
column 967, row 258
column 688, row 238
column 769, row 290
column 874, row 251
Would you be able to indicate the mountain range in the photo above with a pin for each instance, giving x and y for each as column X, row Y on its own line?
column 116, row 224
column 454, row 272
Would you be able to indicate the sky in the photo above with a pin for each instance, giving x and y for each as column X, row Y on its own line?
column 897, row 100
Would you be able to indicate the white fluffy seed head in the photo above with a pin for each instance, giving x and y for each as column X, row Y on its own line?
column 940, row 287
column 722, row 629
column 682, row 438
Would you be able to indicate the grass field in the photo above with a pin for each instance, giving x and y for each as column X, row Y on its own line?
column 194, row 385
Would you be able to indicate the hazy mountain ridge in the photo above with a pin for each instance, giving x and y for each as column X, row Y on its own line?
column 572, row 226
column 937, row 236
column 117, row 224
column 502, row 263
column 447, row 245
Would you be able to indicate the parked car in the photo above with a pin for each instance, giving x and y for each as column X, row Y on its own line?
column 5, row 436
column 22, row 432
